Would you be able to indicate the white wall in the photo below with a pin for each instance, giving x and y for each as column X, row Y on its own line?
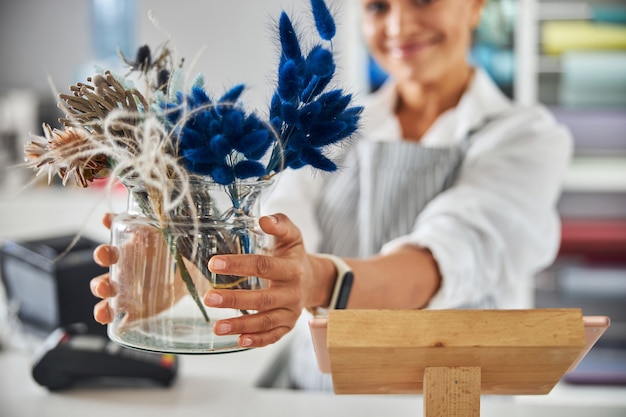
column 43, row 38
column 234, row 37
column 40, row 38
column 44, row 42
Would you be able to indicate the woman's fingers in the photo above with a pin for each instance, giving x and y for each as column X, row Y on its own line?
column 106, row 255
column 107, row 219
column 282, row 228
column 276, row 269
column 257, row 340
column 102, row 312
column 261, row 300
column 255, row 323
column 101, row 286
column 280, row 267
column 279, row 306
column 260, row 329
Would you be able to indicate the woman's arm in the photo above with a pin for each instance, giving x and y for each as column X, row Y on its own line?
column 298, row 279
column 498, row 225
column 406, row 278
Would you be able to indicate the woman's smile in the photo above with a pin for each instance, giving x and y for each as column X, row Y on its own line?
column 409, row 49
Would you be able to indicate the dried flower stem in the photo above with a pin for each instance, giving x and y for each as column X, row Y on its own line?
column 184, row 273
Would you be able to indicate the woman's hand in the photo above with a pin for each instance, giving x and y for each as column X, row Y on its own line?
column 290, row 272
column 104, row 255
column 146, row 241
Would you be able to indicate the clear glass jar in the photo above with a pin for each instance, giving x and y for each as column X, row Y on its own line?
column 161, row 275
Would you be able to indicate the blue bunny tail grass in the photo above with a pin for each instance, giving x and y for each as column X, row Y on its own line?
column 212, row 137
column 223, row 174
column 289, row 39
column 351, row 126
column 232, row 95
column 289, row 113
column 199, row 97
column 315, row 87
column 326, row 133
column 333, row 103
column 289, row 81
column 190, row 138
column 324, row 21
column 275, row 107
column 293, row 161
column 320, row 62
column 219, row 146
column 305, row 117
column 296, row 142
column 255, row 144
column 353, row 113
column 229, row 99
column 314, row 157
column 202, row 169
column 308, row 115
column 248, row 169
column 232, row 124
column 198, row 156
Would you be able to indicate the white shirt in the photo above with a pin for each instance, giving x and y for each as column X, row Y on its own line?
column 498, row 225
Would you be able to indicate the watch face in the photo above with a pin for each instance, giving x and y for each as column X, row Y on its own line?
column 344, row 291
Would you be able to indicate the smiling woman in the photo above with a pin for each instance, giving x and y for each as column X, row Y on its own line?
column 446, row 198
column 417, row 209
column 423, row 45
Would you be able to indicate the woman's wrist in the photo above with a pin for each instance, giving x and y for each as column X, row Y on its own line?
column 323, row 282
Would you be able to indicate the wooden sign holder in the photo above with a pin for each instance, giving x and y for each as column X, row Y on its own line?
column 452, row 356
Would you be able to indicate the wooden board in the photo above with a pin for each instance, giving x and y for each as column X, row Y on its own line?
column 452, row 392
column 517, row 351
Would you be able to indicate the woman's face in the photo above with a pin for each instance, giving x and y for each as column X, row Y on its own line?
column 424, row 41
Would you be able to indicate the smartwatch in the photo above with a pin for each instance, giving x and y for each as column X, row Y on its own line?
column 342, row 287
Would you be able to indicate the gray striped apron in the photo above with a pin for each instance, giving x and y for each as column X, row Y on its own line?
column 376, row 197
column 382, row 188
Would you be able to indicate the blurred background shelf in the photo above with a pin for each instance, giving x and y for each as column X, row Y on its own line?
column 597, row 174
column 571, row 56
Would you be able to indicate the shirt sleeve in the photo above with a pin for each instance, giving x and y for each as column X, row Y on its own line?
column 295, row 194
column 499, row 221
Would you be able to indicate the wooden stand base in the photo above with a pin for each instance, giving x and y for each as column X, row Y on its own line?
column 452, row 392
column 452, row 356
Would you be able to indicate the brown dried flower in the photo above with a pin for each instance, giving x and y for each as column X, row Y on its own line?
column 89, row 105
column 68, row 153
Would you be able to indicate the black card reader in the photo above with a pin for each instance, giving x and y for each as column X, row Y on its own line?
column 72, row 359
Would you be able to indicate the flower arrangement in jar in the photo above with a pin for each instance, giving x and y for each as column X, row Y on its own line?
column 194, row 166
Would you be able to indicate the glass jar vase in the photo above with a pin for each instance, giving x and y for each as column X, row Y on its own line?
column 165, row 240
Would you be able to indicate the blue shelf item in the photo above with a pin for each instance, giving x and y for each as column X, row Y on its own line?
column 113, row 25
column 593, row 79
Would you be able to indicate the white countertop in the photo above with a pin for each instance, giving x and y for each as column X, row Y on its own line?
column 217, row 385
column 43, row 211
column 225, row 385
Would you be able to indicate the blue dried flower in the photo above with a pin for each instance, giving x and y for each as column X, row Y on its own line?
column 289, row 81
column 320, row 62
column 288, row 39
column 306, row 117
column 218, row 139
column 323, row 20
